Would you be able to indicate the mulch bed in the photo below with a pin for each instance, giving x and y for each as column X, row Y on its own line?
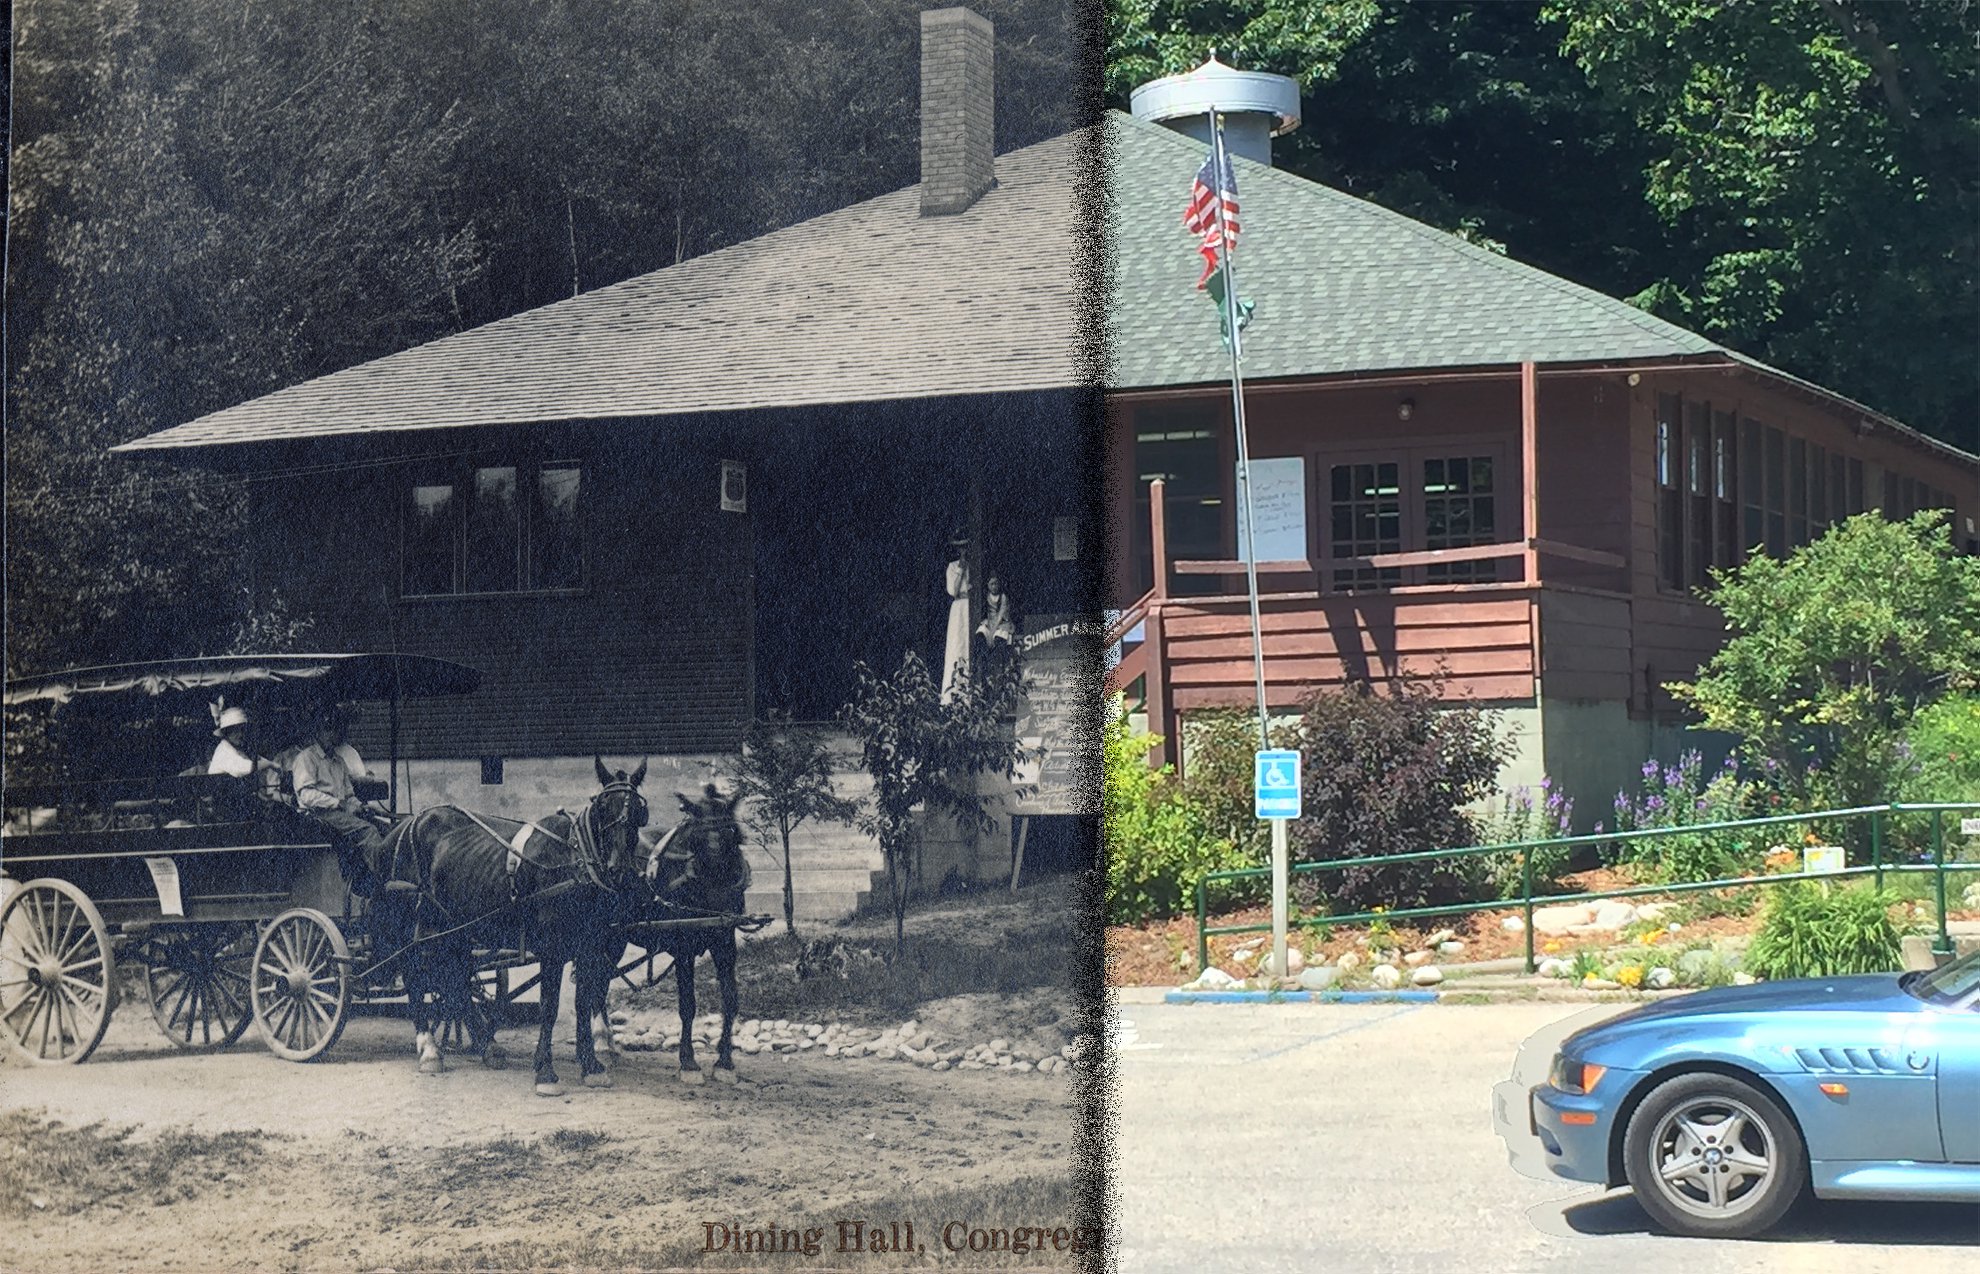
column 1163, row 953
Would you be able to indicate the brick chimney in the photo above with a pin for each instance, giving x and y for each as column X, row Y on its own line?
column 958, row 109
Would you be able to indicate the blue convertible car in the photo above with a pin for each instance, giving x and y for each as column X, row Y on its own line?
column 1720, row 1107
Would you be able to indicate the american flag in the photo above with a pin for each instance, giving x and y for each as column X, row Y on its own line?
column 1202, row 217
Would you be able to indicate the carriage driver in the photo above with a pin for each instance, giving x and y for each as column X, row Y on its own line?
column 322, row 772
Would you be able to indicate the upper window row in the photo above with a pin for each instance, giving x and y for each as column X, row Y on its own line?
column 1727, row 488
column 494, row 529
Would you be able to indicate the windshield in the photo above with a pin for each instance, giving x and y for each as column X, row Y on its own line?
column 1956, row 983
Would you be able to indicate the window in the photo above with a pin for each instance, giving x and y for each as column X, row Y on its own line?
column 1797, row 492
column 1856, row 502
column 1459, row 511
column 1725, row 535
column 1751, row 478
column 1366, row 518
column 1776, row 476
column 494, row 529
column 1670, row 492
column 1818, row 491
column 1838, row 487
column 1181, row 447
column 1698, row 492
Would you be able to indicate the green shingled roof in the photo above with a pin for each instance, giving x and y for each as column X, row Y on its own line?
column 1341, row 285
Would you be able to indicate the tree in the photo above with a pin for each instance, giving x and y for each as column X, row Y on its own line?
column 1390, row 773
column 784, row 777
column 926, row 755
column 1834, row 651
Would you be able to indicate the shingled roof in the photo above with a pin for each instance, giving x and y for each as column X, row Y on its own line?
column 1341, row 285
column 872, row 302
column 875, row 302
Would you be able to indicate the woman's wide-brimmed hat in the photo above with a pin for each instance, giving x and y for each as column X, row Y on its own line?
column 228, row 719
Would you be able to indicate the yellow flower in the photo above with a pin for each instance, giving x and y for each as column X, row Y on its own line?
column 1651, row 937
column 1551, row 947
column 1630, row 975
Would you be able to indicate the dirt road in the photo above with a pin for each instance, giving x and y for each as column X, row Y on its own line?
column 242, row 1161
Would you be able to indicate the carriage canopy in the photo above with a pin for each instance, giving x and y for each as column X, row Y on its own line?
column 338, row 678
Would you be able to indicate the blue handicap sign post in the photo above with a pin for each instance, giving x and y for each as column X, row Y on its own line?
column 1276, row 784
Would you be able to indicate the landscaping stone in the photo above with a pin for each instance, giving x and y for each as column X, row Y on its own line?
column 1661, row 979
column 1318, row 977
column 1439, row 938
column 1450, row 947
column 1554, row 967
column 1416, row 959
column 1556, row 922
column 1651, row 910
column 1593, row 983
column 1348, row 962
column 1613, row 915
column 1268, row 964
column 1513, row 924
column 1428, row 975
column 1386, row 976
column 1212, row 979
column 1743, row 978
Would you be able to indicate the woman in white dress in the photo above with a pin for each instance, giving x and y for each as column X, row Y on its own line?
column 955, row 650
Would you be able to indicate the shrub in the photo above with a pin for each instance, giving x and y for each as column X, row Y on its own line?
column 1940, row 752
column 1387, row 774
column 1812, row 929
column 1834, row 650
column 1158, row 842
column 1681, row 796
column 1519, row 819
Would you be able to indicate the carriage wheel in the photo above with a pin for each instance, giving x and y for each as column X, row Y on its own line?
column 58, row 979
column 301, row 990
column 197, row 977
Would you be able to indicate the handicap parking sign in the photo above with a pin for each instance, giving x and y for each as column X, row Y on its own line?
column 1276, row 785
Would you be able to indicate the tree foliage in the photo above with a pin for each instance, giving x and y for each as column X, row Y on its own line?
column 783, row 778
column 1834, row 652
column 926, row 755
column 1795, row 178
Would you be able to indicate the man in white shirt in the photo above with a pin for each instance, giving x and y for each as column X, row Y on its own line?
column 323, row 774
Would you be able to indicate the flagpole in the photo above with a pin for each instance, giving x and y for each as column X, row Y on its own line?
column 1280, row 852
column 1237, row 413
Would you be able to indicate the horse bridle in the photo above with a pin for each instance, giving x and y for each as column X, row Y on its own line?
column 588, row 837
column 664, row 849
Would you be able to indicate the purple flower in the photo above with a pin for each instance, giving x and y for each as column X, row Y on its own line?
column 1650, row 769
column 1653, row 803
column 1700, row 803
column 1732, row 763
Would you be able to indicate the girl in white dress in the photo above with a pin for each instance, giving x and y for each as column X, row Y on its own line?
column 955, row 650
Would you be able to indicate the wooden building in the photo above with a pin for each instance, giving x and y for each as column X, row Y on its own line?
column 658, row 510
column 1460, row 463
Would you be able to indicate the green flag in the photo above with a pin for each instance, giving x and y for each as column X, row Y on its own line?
column 1214, row 285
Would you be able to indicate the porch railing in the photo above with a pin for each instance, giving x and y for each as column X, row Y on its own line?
column 1877, row 817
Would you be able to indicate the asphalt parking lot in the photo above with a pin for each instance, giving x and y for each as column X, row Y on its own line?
column 1361, row 1139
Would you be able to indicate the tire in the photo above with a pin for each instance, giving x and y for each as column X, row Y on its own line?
column 196, row 977
column 301, row 992
column 58, row 973
column 1676, row 1157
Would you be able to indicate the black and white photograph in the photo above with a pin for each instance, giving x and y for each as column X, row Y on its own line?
column 552, row 621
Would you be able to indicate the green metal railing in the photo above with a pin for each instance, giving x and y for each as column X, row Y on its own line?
column 1877, row 816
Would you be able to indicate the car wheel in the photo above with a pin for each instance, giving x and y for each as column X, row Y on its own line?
column 1710, row 1156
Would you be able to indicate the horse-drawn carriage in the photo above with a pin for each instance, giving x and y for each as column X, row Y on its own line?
column 240, row 907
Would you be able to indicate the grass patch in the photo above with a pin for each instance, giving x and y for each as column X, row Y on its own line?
column 466, row 1168
column 577, row 1140
column 998, row 1212
column 46, row 1166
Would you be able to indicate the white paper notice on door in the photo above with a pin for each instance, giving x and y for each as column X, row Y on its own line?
column 165, row 879
column 1278, row 510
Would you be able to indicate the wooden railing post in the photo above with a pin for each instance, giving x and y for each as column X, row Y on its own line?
column 1529, row 466
column 1156, row 658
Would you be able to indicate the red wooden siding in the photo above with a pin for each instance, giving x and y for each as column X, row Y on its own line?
column 1483, row 636
column 1585, row 646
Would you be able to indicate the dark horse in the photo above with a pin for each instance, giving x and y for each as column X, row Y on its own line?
column 456, row 880
column 695, row 871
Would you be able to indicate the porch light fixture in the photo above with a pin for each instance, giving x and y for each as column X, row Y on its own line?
column 1405, row 409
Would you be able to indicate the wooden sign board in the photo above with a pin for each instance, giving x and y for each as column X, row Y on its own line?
column 1278, row 510
column 1059, row 665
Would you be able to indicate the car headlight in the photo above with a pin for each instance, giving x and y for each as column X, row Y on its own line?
column 1571, row 1075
